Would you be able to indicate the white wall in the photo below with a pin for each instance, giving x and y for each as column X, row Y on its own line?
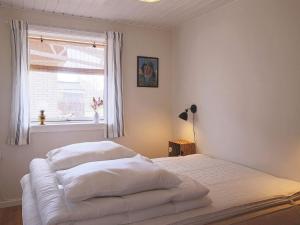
column 241, row 65
column 147, row 110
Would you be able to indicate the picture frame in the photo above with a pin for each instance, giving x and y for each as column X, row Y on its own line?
column 147, row 71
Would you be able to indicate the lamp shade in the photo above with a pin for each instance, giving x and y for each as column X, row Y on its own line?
column 183, row 115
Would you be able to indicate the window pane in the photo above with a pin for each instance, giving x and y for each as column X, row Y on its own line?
column 64, row 96
column 64, row 77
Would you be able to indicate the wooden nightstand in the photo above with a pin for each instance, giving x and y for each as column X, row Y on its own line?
column 181, row 148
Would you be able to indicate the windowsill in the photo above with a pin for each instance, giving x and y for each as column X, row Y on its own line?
column 66, row 126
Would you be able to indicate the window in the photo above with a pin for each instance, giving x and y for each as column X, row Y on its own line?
column 65, row 74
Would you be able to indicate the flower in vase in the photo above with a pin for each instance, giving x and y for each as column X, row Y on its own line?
column 96, row 104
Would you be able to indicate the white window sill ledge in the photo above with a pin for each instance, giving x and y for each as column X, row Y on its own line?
column 63, row 127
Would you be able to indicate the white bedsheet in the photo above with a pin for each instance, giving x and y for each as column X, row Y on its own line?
column 234, row 189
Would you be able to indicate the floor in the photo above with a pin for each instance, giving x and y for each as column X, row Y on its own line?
column 11, row 216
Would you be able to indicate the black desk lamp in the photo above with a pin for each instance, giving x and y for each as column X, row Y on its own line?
column 184, row 116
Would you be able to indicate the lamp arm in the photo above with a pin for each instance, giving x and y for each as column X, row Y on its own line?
column 194, row 128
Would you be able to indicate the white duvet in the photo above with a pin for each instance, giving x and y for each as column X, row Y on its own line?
column 53, row 209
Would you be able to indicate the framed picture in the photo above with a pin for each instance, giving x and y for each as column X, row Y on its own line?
column 147, row 71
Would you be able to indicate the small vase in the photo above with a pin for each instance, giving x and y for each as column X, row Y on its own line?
column 96, row 117
column 42, row 117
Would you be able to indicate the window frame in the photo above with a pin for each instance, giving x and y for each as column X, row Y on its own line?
column 75, row 123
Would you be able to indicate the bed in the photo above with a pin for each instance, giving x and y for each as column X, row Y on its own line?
column 237, row 193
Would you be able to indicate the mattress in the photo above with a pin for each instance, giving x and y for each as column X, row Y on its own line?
column 234, row 190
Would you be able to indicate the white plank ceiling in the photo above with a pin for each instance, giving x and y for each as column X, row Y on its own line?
column 165, row 14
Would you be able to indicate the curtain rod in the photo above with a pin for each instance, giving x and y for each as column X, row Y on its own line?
column 41, row 38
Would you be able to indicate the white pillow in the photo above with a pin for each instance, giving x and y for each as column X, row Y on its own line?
column 72, row 155
column 114, row 178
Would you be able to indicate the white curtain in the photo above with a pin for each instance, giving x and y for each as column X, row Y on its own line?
column 19, row 121
column 113, row 94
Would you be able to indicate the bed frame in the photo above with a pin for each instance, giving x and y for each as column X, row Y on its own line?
column 287, row 214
